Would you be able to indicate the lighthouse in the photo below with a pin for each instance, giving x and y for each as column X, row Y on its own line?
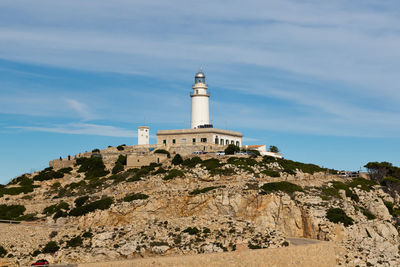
column 200, row 116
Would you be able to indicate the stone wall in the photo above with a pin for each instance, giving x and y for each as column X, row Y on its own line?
column 61, row 163
column 136, row 161
column 319, row 254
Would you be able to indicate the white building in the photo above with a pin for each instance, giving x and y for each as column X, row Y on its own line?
column 202, row 135
column 143, row 135
column 200, row 116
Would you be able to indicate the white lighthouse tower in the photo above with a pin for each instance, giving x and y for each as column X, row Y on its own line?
column 200, row 108
column 143, row 135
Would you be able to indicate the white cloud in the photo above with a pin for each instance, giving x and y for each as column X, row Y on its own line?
column 349, row 49
column 81, row 128
column 80, row 108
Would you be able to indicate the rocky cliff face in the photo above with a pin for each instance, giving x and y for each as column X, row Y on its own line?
column 201, row 209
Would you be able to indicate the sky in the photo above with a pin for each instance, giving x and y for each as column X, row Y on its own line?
column 318, row 79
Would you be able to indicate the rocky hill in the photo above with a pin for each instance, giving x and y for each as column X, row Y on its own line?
column 90, row 212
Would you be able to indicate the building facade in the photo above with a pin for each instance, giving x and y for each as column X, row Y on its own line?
column 198, row 137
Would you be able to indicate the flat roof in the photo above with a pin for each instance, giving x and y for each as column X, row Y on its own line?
column 199, row 130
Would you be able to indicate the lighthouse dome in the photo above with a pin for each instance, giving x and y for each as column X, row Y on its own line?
column 200, row 74
column 200, row 77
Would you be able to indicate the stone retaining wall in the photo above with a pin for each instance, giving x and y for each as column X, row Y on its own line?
column 320, row 254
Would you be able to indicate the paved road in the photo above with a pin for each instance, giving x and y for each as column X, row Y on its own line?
column 302, row 241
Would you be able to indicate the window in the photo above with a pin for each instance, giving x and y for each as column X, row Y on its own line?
column 194, row 140
column 164, row 142
column 183, row 140
column 197, row 92
column 221, row 142
column 173, row 141
column 227, row 142
column 232, row 142
column 203, row 140
column 237, row 143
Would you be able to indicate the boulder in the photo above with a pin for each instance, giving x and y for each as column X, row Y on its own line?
column 159, row 249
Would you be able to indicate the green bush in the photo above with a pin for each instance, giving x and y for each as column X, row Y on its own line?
column 243, row 163
column 17, row 179
column 16, row 190
column 388, row 180
column 211, row 164
column 74, row 186
column 120, row 148
column 27, row 217
column 222, row 172
column 92, row 167
column 162, row 151
column 329, row 192
column 191, row 162
column 48, row 174
column 390, row 206
column 121, row 159
column 50, row 247
column 191, row 231
column 65, row 170
column 160, row 171
column 81, row 200
column 231, row 149
column 96, row 150
column 59, row 214
column 74, row 242
column 290, row 166
column 11, row 212
column 142, row 172
column 177, row 160
column 87, row 235
column 36, row 253
column 133, row 196
column 173, row 174
column 337, row 215
column 284, row 186
column 117, row 168
column 203, row 190
column 55, row 208
column 367, row 213
column 253, row 246
column 101, row 204
column 26, row 182
column 158, row 243
column 274, row 149
column 392, row 210
column 364, row 184
column 271, row 173
column 379, row 170
column 3, row 252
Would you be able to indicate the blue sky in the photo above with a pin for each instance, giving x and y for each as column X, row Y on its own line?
column 318, row 79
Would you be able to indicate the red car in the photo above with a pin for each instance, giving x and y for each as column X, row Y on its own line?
column 41, row 263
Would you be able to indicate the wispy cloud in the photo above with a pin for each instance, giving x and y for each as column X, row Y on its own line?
column 80, row 128
column 80, row 108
